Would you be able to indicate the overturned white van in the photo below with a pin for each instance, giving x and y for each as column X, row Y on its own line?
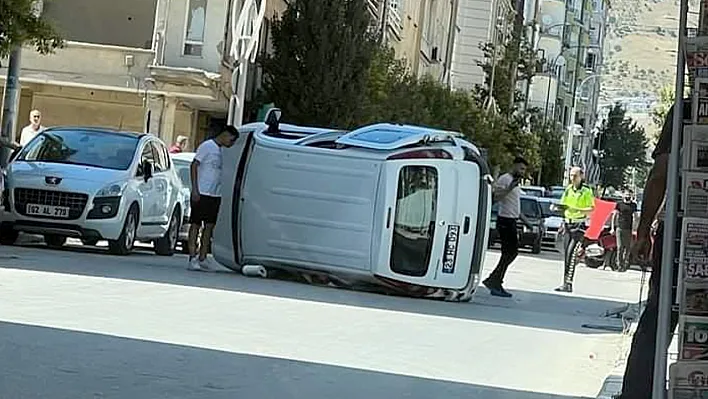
column 398, row 208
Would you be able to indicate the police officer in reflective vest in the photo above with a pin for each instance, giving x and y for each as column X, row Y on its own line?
column 577, row 203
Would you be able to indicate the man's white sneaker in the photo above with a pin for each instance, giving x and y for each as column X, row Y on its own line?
column 208, row 264
column 194, row 265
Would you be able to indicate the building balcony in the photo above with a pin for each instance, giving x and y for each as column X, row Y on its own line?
column 85, row 65
column 394, row 21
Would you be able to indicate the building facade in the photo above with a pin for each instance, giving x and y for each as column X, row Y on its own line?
column 570, row 38
column 98, row 79
column 478, row 22
column 422, row 32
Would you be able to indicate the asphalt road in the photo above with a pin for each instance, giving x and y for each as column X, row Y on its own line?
column 78, row 323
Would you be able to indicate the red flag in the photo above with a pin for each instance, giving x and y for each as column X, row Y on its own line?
column 599, row 216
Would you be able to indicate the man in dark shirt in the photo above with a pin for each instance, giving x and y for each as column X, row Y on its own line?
column 639, row 374
column 622, row 223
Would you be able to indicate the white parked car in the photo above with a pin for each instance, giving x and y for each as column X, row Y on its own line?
column 93, row 184
column 553, row 221
column 182, row 162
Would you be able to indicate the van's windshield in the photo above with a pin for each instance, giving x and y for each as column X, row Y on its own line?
column 106, row 150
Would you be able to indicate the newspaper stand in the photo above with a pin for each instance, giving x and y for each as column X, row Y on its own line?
column 688, row 189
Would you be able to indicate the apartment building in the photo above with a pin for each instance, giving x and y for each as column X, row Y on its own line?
column 570, row 38
column 98, row 78
column 478, row 22
column 422, row 32
column 141, row 65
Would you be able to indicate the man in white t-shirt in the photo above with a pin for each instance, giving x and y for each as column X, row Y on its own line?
column 33, row 129
column 508, row 194
column 206, row 194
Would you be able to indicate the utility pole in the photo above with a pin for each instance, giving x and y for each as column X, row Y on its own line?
column 11, row 102
column 246, row 21
column 383, row 14
column 11, row 97
column 516, row 42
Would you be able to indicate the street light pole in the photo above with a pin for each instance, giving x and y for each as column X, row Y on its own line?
column 570, row 127
column 245, row 33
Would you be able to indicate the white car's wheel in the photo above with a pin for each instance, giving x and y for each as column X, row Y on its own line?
column 166, row 245
column 124, row 244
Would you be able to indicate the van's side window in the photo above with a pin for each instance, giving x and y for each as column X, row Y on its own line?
column 414, row 224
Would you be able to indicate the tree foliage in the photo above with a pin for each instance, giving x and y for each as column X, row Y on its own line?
column 328, row 69
column 551, row 155
column 665, row 99
column 624, row 145
column 20, row 26
column 318, row 71
column 516, row 54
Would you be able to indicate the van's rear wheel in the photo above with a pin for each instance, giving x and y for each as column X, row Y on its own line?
column 124, row 244
column 54, row 241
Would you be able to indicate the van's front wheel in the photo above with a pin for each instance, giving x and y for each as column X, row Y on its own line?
column 124, row 244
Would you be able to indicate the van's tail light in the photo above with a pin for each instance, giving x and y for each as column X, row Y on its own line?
column 417, row 154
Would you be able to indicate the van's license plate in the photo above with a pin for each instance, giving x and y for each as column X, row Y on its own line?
column 47, row 210
column 450, row 255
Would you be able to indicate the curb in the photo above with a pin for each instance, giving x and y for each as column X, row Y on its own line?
column 613, row 383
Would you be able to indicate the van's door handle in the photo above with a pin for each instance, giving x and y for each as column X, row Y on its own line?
column 466, row 228
column 388, row 218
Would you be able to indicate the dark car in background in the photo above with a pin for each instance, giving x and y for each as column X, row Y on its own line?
column 528, row 237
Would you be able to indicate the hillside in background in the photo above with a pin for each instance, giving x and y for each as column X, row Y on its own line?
column 640, row 53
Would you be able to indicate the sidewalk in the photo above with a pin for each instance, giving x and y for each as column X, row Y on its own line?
column 613, row 383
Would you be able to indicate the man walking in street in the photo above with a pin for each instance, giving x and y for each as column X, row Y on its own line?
column 33, row 129
column 508, row 194
column 622, row 222
column 577, row 202
column 206, row 195
column 639, row 374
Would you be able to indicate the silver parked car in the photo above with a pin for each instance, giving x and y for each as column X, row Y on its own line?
column 553, row 221
column 182, row 162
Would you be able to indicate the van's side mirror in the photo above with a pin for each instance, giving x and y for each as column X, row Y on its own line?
column 272, row 119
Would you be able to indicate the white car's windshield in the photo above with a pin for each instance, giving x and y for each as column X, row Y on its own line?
column 82, row 147
column 547, row 211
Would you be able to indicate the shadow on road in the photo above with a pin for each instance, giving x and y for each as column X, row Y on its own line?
column 528, row 308
column 64, row 364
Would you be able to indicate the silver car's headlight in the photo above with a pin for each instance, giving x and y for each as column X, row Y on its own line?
column 111, row 190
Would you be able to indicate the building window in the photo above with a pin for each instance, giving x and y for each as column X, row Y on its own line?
column 194, row 32
column 590, row 61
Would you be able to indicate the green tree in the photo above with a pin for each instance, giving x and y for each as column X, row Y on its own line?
column 515, row 55
column 665, row 99
column 19, row 26
column 394, row 95
column 624, row 145
column 322, row 52
column 549, row 169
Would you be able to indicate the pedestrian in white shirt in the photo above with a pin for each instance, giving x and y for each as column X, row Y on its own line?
column 206, row 194
column 33, row 129
column 508, row 194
